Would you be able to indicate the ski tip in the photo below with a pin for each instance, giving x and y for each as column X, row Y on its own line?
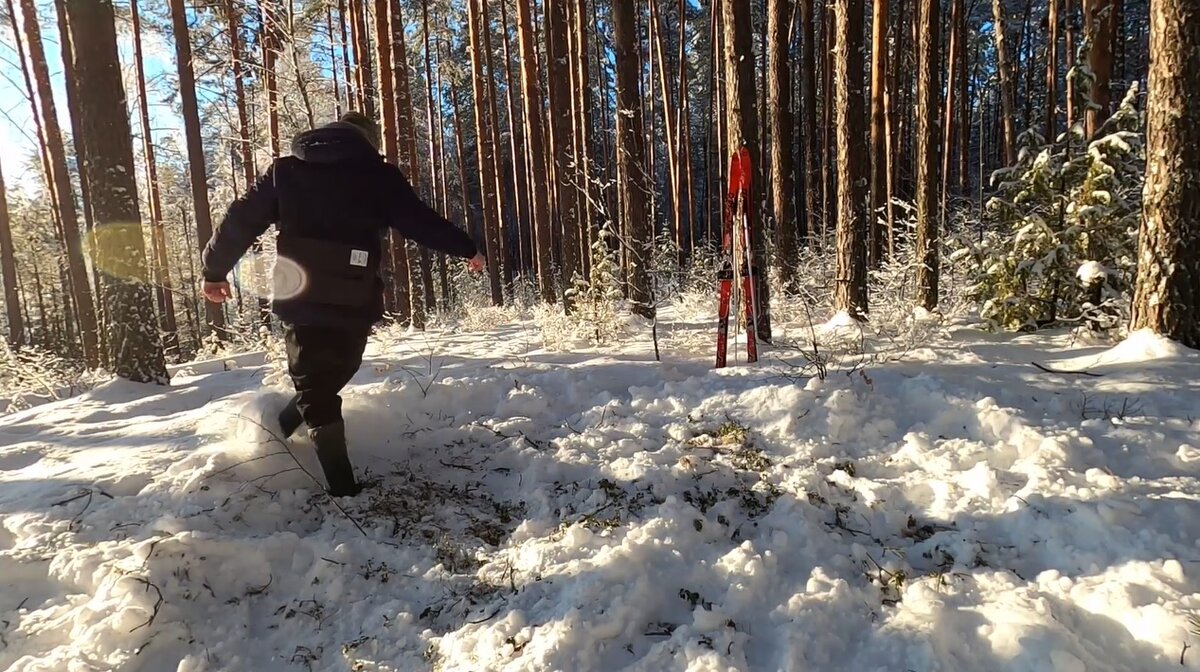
column 740, row 171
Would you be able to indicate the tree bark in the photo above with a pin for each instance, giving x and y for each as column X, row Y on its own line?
column 582, row 105
column 421, row 279
column 195, row 144
column 928, row 159
column 829, row 148
column 1100, row 25
column 76, row 263
column 398, row 288
column 851, row 294
column 956, row 55
column 808, row 117
column 1167, row 296
column 1069, row 19
column 158, row 235
column 270, row 41
column 333, row 62
column 674, row 178
column 420, row 275
column 631, row 167
column 505, row 251
column 562, row 138
column 8, row 273
column 879, row 164
column 779, row 99
column 352, row 96
column 1051, row 131
column 477, row 23
column 1007, row 84
column 362, row 60
column 437, row 183
column 135, row 346
column 536, row 139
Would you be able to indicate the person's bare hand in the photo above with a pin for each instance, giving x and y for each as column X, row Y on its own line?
column 477, row 263
column 216, row 292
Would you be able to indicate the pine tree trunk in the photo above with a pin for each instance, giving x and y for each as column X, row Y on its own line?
column 8, row 273
column 683, row 135
column 558, row 28
column 956, row 55
column 195, row 144
column 779, row 99
column 1007, row 84
column 808, row 117
column 928, row 152
column 829, row 148
column 247, row 152
column 964, row 115
column 1100, row 25
column 516, row 137
column 743, row 132
column 352, row 95
column 631, row 167
column 81, row 151
column 65, row 193
column 536, row 139
column 1051, row 131
column 297, row 70
column 1069, row 20
column 891, row 134
column 397, row 289
column 364, row 68
column 670, row 121
column 270, row 40
column 158, row 235
column 853, row 216
column 879, row 164
column 421, row 277
column 135, row 346
column 433, row 124
column 716, row 131
column 477, row 23
column 1167, row 295
column 581, row 100
column 333, row 62
column 465, row 200
column 505, row 249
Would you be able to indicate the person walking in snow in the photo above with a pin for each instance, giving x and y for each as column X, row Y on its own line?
column 332, row 202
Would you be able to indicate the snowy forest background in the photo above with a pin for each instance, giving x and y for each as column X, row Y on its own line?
column 959, row 156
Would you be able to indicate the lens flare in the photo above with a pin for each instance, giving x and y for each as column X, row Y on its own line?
column 119, row 250
column 289, row 279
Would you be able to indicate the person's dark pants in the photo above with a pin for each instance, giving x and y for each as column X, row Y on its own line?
column 321, row 361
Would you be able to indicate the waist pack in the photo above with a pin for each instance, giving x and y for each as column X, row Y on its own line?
column 326, row 272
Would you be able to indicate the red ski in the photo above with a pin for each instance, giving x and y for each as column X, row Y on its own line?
column 735, row 242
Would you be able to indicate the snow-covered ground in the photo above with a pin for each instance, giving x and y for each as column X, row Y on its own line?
column 951, row 507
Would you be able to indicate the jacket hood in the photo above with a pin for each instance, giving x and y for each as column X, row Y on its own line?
column 333, row 143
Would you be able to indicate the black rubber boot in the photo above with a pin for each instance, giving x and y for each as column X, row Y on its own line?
column 331, row 451
column 289, row 419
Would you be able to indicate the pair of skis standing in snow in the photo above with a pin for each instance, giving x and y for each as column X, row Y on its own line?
column 738, row 261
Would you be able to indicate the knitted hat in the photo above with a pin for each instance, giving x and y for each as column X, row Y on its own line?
column 364, row 125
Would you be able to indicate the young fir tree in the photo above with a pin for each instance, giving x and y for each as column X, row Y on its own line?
column 1063, row 228
column 595, row 300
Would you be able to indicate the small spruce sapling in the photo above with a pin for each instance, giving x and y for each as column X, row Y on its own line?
column 596, row 300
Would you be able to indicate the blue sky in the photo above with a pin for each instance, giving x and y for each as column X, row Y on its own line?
column 17, row 133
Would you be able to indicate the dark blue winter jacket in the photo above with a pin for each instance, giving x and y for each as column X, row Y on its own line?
column 335, row 194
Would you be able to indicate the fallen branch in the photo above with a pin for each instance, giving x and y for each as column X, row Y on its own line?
column 1063, row 372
